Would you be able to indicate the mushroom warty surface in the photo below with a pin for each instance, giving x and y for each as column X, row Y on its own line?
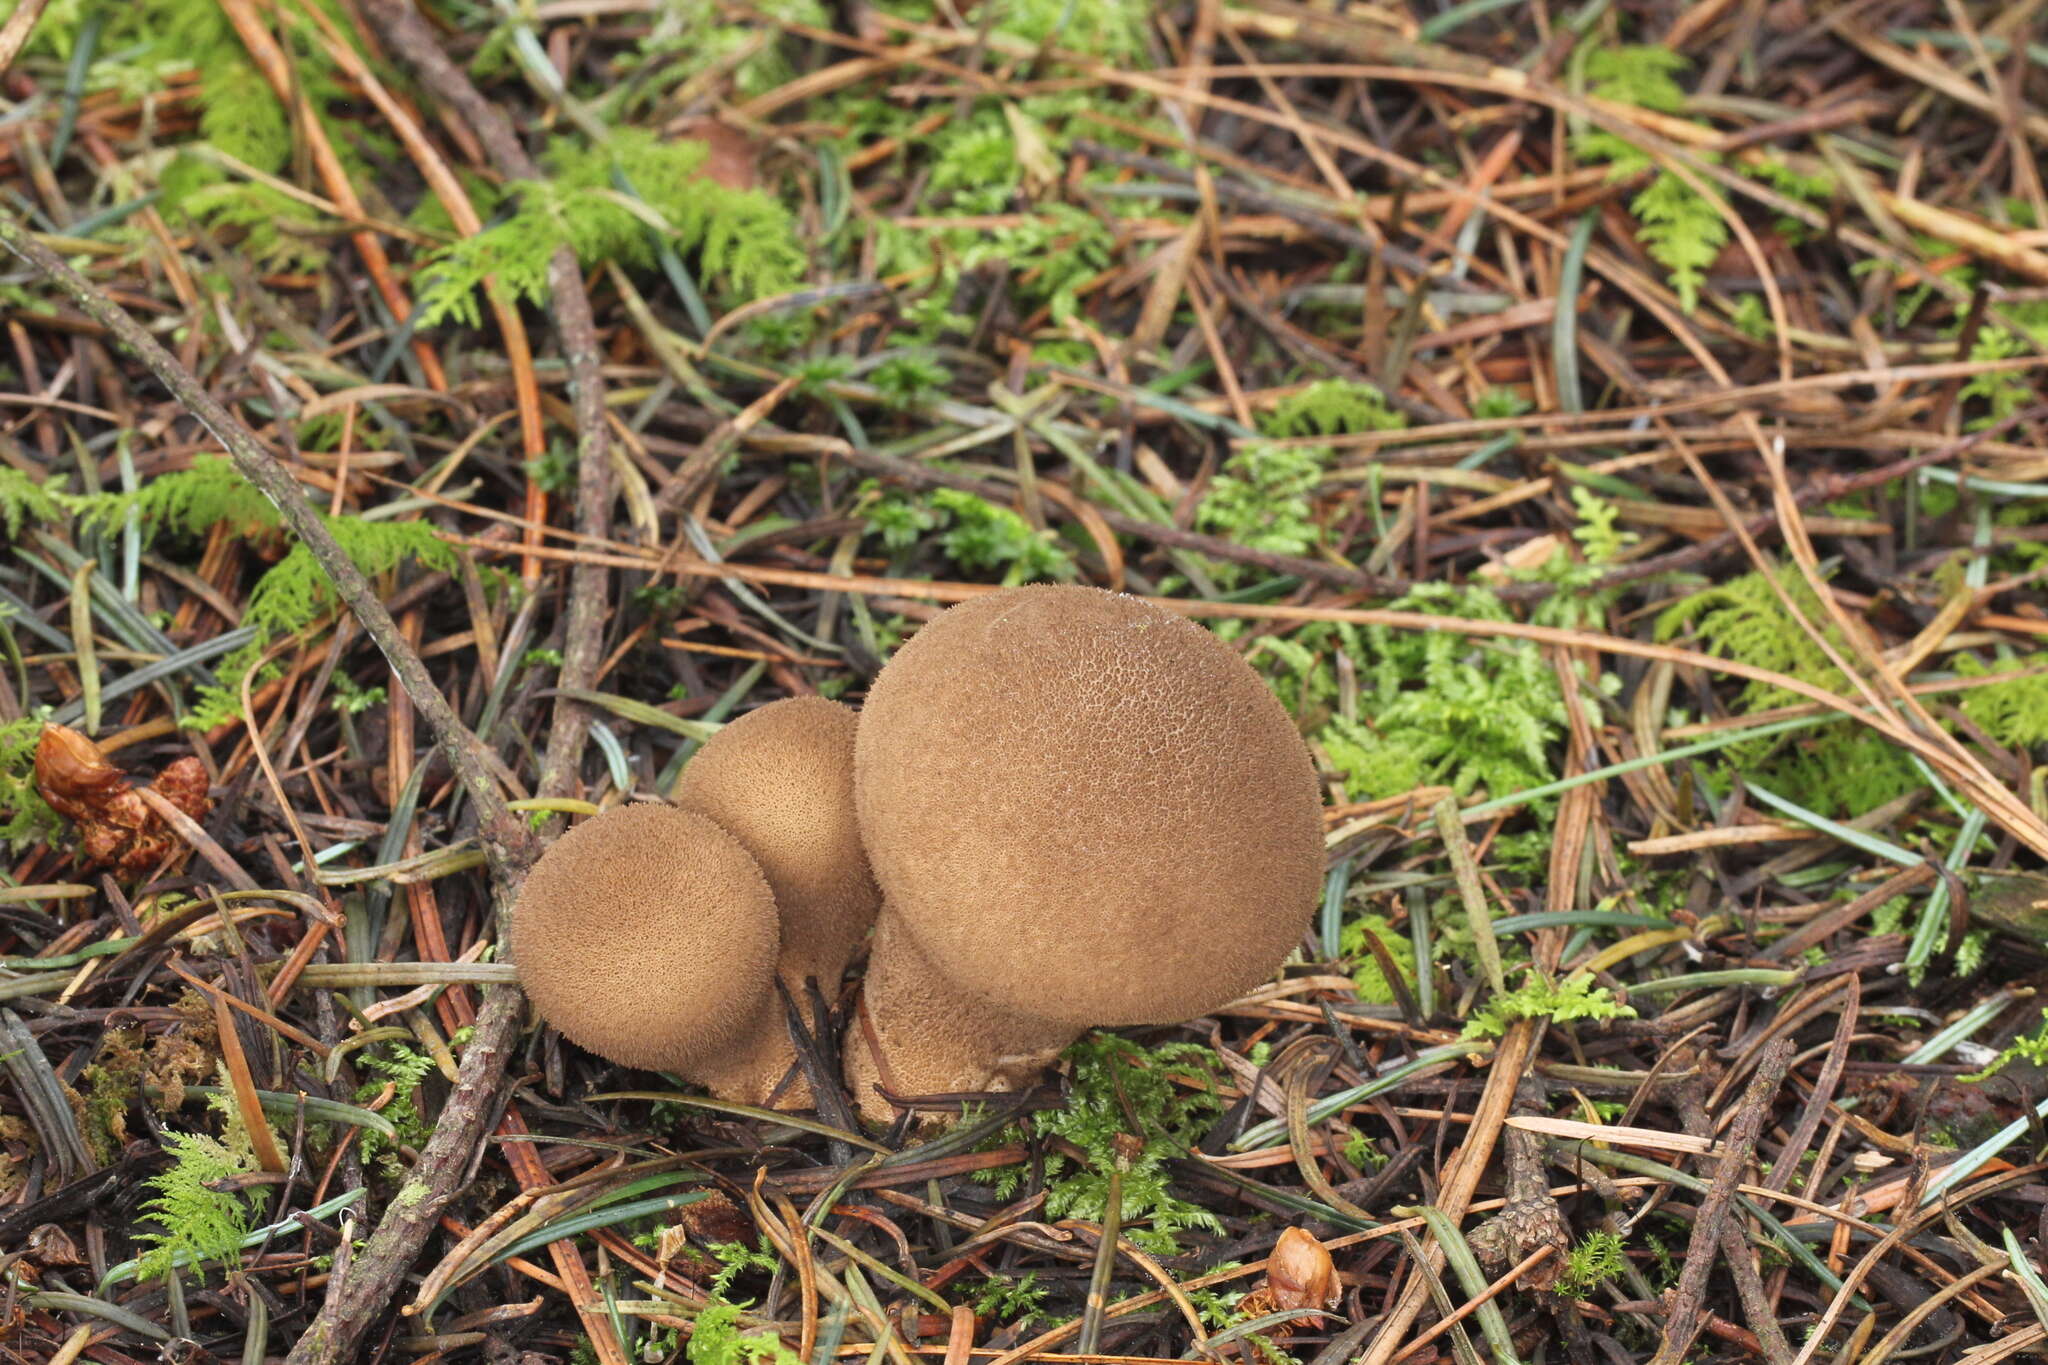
column 1081, row 810
column 648, row 935
column 780, row 780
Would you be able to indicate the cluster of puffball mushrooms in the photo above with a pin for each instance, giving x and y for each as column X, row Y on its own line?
column 1059, row 808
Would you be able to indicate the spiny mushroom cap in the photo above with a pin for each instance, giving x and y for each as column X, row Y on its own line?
column 1087, row 808
column 647, row 935
column 780, row 780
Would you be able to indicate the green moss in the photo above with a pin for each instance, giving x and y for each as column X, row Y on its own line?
column 1263, row 498
column 2013, row 713
column 1835, row 770
column 1681, row 228
column 717, row 1340
column 1575, row 998
column 101, row 1103
column 1438, row 708
column 200, row 1223
column 295, row 593
column 1119, row 1084
column 25, row 818
column 1595, row 1260
column 744, row 239
column 190, row 502
column 404, row 1068
column 23, row 498
column 1366, row 972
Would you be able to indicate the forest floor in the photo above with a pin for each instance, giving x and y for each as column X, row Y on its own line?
column 1615, row 431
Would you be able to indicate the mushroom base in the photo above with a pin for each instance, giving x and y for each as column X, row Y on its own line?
column 748, row 1072
column 924, row 1035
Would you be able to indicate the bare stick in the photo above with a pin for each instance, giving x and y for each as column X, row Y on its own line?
column 357, row 1300
column 415, row 43
column 16, row 31
column 1688, row 1300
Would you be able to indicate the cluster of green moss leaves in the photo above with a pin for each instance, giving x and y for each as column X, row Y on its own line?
column 997, row 160
column 1263, row 496
column 693, row 38
column 1438, row 708
column 1842, row 769
column 1001, row 158
column 979, row 536
column 22, row 499
column 1682, row 228
column 201, row 1223
column 1573, row 999
column 1837, row 770
column 2005, row 392
column 25, row 818
column 403, row 1068
column 292, row 594
column 2020, row 327
column 718, row 1340
column 1112, row 30
column 1596, row 1259
column 1367, row 971
column 619, row 200
column 1011, row 1302
column 140, row 44
column 1116, row 1083
column 1431, row 707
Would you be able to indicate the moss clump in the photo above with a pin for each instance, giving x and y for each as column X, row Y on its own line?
column 745, row 239
column 1367, row 972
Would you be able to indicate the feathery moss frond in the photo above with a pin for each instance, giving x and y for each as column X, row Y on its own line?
column 295, row 593
column 25, row 818
column 23, row 499
column 613, row 202
column 716, row 1339
column 1262, row 498
column 200, row 1223
column 1841, row 769
column 190, row 502
column 1465, row 713
column 2015, row 712
column 1114, row 1081
column 1682, row 229
column 1572, row 999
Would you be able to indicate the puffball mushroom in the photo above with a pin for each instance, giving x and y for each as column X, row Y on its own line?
column 780, row 780
column 648, row 935
column 1082, row 810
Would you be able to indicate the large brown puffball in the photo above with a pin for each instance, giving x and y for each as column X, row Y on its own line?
column 648, row 935
column 780, row 780
column 1081, row 810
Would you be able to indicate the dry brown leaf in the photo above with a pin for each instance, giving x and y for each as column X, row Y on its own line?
column 735, row 158
column 115, row 827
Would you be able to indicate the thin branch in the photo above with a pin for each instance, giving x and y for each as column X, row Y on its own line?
column 361, row 1297
column 1688, row 1300
column 14, row 35
column 416, row 43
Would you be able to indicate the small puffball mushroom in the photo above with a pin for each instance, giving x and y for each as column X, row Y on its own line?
column 1082, row 810
column 647, row 934
column 780, row 780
